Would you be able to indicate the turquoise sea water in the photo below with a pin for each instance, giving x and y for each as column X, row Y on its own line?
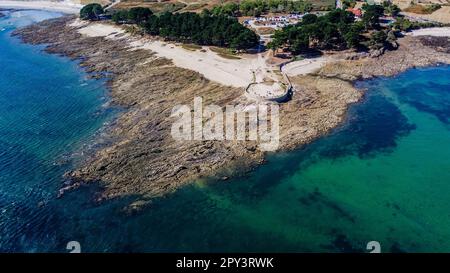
column 384, row 175
column 48, row 110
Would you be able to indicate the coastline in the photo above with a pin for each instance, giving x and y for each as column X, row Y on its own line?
column 66, row 7
column 145, row 160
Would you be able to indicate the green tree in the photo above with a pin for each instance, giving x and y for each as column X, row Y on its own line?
column 391, row 9
column 230, row 9
column 206, row 12
column 301, row 43
column 377, row 39
column 139, row 15
column 279, row 38
column 336, row 29
column 244, row 40
column 120, row 17
column 247, row 7
column 309, row 19
column 348, row 4
column 352, row 36
column 202, row 29
column 91, row 12
column 339, row 16
column 403, row 24
column 371, row 16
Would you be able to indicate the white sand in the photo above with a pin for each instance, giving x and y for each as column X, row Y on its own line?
column 209, row 64
column 230, row 72
column 97, row 30
column 304, row 67
column 63, row 6
column 435, row 31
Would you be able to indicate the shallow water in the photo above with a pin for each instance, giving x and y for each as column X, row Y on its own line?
column 48, row 110
column 384, row 175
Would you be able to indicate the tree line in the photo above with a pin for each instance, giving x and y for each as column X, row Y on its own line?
column 335, row 30
column 202, row 29
column 136, row 15
column 188, row 27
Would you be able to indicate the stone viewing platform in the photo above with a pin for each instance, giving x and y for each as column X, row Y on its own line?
column 269, row 91
column 279, row 90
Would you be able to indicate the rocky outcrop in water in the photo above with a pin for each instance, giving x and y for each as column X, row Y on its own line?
column 412, row 52
column 144, row 159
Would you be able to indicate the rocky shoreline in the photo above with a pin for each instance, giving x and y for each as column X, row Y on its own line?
column 146, row 161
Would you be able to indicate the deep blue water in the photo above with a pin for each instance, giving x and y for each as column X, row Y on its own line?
column 383, row 175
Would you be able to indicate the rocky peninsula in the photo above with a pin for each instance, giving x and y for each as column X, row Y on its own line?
column 144, row 159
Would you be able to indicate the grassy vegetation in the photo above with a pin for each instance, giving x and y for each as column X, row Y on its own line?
column 277, row 72
column 265, row 30
column 422, row 9
column 199, row 5
column 231, row 57
column 101, row 2
column 156, row 7
column 323, row 4
column 195, row 7
column 225, row 53
column 404, row 24
column 298, row 58
column 259, row 7
column 221, row 50
column 191, row 47
column 133, row 30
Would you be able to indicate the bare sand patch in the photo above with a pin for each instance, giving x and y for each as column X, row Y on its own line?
column 304, row 67
column 62, row 6
column 99, row 30
column 435, row 31
column 229, row 72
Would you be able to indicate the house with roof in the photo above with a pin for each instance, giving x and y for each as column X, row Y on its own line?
column 356, row 12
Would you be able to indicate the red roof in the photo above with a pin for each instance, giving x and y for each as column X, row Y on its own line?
column 356, row 12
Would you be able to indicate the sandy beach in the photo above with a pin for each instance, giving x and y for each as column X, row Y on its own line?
column 230, row 72
column 436, row 31
column 63, row 6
